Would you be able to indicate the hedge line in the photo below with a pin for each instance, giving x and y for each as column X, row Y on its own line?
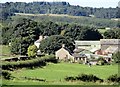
column 84, row 77
column 40, row 61
column 91, row 78
column 114, row 78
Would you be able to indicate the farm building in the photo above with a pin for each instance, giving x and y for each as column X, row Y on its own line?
column 88, row 45
column 104, row 45
column 63, row 53
column 37, row 42
column 110, row 45
column 78, row 57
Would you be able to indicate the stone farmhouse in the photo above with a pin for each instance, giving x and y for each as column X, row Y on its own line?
column 63, row 54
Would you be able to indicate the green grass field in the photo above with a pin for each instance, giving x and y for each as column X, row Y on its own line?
column 5, row 52
column 5, row 49
column 55, row 73
column 102, row 31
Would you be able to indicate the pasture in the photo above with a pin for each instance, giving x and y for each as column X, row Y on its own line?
column 5, row 51
column 55, row 73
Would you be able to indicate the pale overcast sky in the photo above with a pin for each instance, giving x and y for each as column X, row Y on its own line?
column 84, row 3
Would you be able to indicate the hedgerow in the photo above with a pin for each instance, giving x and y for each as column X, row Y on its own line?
column 83, row 77
column 37, row 62
column 114, row 78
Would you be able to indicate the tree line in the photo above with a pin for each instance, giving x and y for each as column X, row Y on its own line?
column 9, row 8
column 22, row 33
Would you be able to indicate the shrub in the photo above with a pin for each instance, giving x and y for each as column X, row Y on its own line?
column 70, row 78
column 84, row 77
column 6, row 74
column 32, row 51
column 114, row 78
column 88, row 78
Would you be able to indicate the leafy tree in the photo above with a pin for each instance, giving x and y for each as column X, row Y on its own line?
column 116, row 57
column 54, row 43
column 82, row 33
column 112, row 34
column 49, row 28
column 25, row 33
column 32, row 51
column 16, row 46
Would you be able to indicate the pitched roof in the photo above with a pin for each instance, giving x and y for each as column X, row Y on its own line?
column 112, row 49
column 78, row 55
column 110, row 41
column 87, row 43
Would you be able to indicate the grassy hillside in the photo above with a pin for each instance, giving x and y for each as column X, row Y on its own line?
column 98, row 22
column 55, row 73
column 5, row 51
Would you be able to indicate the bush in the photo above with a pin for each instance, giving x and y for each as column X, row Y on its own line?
column 6, row 74
column 84, row 77
column 70, row 78
column 114, row 78
column 32, row 51
column 88, row 78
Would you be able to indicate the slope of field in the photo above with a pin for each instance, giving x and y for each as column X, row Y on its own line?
column 61, row 18
column 5, row 51
column 55, row 73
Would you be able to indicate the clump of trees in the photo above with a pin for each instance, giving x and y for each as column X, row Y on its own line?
column 82, row 33
column 112, row 34
column 24, row 33
column 54, row 43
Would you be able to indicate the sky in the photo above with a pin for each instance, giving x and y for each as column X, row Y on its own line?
column 84, row 3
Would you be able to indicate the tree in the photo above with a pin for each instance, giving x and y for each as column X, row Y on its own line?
column 112, row 34
column 116, row 57
column 54, row 43
column 25, row 33
column 82, row 33
column 32, row 51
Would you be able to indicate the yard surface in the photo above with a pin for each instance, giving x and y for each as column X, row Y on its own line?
column 55, row 74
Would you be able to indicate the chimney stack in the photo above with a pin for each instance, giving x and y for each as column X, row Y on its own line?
column 63, row 45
